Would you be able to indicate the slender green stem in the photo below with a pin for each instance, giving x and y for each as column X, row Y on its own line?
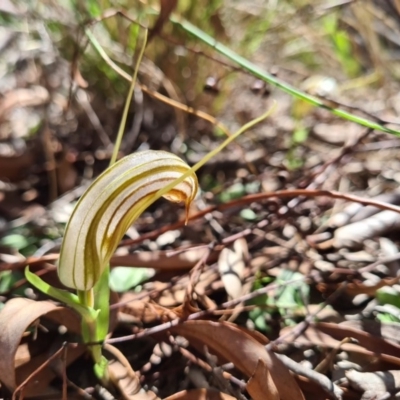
column 265, row 76
column 86, row 298
column 122, row 125
column 128, row 102
column 96, row 352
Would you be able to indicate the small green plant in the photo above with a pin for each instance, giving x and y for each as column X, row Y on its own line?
column 287, row 300
column 99, row 221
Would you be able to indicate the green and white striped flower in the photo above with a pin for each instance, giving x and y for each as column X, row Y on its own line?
column 111, row 204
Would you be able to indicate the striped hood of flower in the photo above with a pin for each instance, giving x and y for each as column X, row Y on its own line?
column 111, row 205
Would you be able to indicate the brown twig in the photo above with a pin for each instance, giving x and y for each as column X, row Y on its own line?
column 20, row 389
column 323, row 381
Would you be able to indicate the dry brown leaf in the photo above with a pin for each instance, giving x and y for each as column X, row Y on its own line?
column 261, row 382
column 232, row 344
column 200, row 394
column 16, row 316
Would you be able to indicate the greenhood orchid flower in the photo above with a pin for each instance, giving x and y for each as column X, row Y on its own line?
column 100, row 219
column 110, row 205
